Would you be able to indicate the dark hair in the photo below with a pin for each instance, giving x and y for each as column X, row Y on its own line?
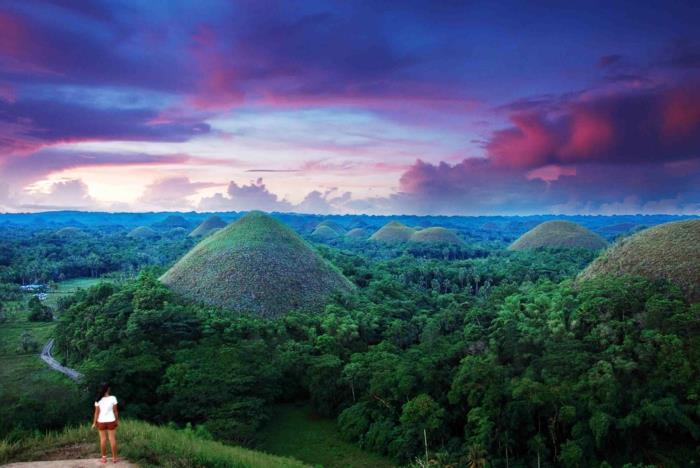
column 101, row 390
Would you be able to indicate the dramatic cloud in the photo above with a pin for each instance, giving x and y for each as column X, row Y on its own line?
column 64, row 194
column 637, row 126
column 254, row 196
column 171, row 193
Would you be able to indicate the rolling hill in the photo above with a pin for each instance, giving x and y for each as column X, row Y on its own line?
column 438, row 235
column 668, row 251
column 325, row 233
column 142, row 232
column 558, row 234
column 258, row 265
column 357, row 233
column 332, row 225
column 208, row 226
column 393, row 232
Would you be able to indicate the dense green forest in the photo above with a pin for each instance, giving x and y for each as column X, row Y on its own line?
column 488, row 357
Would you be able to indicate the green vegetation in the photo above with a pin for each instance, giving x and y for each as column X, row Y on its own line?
column 27, row 385
column 145, row 444
column 393, row 232
column 325, row 233
column 295, row 431
column 70, row 232
column 494, row 357
column 437, row 235
column 258, row 265
column 208, row 226
column 668, row 252
column 142, row 232
column 66, row 288
column 557, row 235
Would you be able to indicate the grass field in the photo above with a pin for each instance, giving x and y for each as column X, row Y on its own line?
column 68, row 287
column 295, row 431
column 144, row 444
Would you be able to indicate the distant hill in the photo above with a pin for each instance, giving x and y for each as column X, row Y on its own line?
column 256, row 264
column 558, row 234
column 177, row 232
column 142, row 232
column 324, row 232
column 668, row 251
column 333, row 225
column 357, row 233
column 438, row 235
column 172, row 221
column 208, row 226
column 393, row 231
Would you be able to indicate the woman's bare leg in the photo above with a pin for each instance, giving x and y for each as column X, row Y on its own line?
column 103, row 443
column 113, row 443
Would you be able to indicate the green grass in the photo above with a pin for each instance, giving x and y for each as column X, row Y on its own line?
column 557, row 235
column 258, row 265
column 340, row 230
column 358, row 233
column 668, row 252
column 438, row 235
column 393, row 232
column 68, row 287
column 144, row 444
column 142, row 232
column 295, row 431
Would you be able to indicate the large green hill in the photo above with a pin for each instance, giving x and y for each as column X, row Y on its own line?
column 209, row 225
column 558, row 234
column 325, row 233
column 392, row 232
column 669, row 251
column 258, row 265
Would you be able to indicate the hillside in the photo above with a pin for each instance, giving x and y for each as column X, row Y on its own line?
column 438, row 235
column 144, row 444
column 357, row 233
column 142, row 232
column 325, row 233
column 558, row 234
column 208, row 226
column 172, row 221
column 255, row 264
column 332, row 225
column 393, row 231
column 669, row 251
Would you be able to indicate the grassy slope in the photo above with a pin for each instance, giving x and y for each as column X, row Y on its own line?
column 144, row 444
column 357, row 233
column 393, row 231
column 210, row 224
column 255, row 264
column 325, row 233
column 437, row 235
column 294, row 431
column 669, row 251
column 559, row 234
column 332, row 225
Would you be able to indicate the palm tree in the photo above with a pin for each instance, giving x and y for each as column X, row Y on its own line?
column 476, row 456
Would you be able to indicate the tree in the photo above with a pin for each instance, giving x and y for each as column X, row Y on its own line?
column 27, row 342
column 38, row 311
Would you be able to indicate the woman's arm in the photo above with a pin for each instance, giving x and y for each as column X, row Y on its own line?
column 94, row 417
column 116, row 413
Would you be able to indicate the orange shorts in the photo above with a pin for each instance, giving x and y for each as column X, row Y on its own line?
column 107, row 426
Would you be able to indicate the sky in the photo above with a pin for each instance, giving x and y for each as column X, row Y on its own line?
column 385, row 107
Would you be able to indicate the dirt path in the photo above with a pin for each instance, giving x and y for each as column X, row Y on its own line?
column 84, row 463
column 55, row 365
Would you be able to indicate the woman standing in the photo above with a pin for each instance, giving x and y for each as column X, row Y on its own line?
column 106, row 419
